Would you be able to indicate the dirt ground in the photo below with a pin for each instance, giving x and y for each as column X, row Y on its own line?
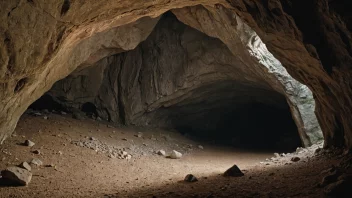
column 78, row 171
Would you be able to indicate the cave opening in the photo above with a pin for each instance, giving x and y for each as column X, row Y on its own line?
column 228, row 104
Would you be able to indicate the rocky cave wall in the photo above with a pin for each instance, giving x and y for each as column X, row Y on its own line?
column 176, row 67
column 42, row 43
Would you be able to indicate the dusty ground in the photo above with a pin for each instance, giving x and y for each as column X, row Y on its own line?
column 83, row 172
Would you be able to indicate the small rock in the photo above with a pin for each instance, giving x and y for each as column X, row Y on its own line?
column 277, row 155
column 190, row 178
column 29, row 143
column 45, row 117
column 234, row 171
column 36, row 162
column 140, row 134
column 295, row 159
column 128, row 157
column 63, row 113
column 92, row 138
column 161, row 152
column 50, row 165
column 175, row 155
column 26, row 166
column 37, row 152
column 109, row 126
column 16, row 176
column 98, row 118
column 200, row 147
column 124, row 139
column 60, row 152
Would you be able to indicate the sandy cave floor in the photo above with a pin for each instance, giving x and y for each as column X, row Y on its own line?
column 83, row 172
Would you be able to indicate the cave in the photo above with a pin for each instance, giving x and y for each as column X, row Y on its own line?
column 118, row 89
column 236, row 98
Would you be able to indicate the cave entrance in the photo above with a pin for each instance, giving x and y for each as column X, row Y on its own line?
column 180, row 78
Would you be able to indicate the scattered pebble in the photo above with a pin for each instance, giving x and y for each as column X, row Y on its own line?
column 190, row 178
column 26, row 166
column 37, row 152
column 29, row 143
column 175, row 155
column 161, row 152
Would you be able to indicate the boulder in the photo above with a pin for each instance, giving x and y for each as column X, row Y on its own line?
column 234, row 171
column 16, row 176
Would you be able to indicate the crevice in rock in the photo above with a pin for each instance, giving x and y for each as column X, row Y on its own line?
column 20, row 84
column 65, row 7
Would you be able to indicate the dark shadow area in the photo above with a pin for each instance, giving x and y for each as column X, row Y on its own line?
column 90, row 109
column 230, row 113
column 47, row 102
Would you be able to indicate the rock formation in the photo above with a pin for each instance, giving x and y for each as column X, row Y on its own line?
column 42, row 43
column 181, row 78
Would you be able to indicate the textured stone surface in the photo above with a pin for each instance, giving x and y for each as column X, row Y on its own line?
column 16, row 176
column 312, row 41
column 176, row 66
column 42, row 43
